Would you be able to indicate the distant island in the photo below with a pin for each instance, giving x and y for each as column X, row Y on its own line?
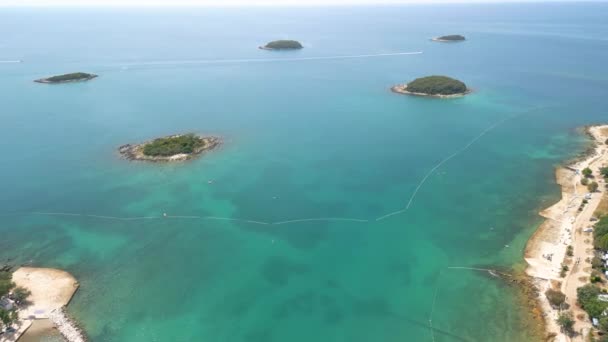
column 282, row 45
column 449, row 38
column 73, row 77
column 171, row 148
column 434, row 86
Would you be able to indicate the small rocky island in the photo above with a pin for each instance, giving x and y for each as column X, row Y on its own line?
column 172, row 148
column 450, row 38
column 66, row 78
column 433, row 86
column 282, row 45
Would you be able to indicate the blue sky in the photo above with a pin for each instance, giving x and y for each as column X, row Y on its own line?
column 229, row 2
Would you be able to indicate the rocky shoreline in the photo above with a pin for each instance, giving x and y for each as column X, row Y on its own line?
column 402, row 89
column 68, row 327
column 135, row 151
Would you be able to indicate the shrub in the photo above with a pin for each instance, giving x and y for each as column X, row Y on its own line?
column 555, row 297
column 603, row 324
column 601, row 242
column 587, row 299
column 600, row 234
column 604, row 171
column 592, row 187
column 585, row 181
column 8, row 317
column 20, row 294
column 566, row 322
column 597, row 262
column 595, row 277
column 6, row 283
column 569, row 251
column 587, row 172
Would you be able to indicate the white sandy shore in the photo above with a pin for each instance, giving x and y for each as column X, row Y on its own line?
column 563, row 226
column 51, row 290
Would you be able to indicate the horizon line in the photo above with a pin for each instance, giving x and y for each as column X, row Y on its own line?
column 320, row 3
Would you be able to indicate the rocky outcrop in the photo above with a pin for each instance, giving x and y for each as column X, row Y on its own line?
column 135, row 151
column 70, row 330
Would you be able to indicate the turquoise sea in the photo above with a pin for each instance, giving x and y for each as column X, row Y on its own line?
column 305, row 138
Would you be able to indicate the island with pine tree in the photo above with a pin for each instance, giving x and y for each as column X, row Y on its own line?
column 66, row 78
column 433, row 86
column 450, row 38
column 282, row 45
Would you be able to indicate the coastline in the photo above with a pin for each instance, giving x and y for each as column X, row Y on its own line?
column 51, row 291
column 402, row 89
column 546, row 250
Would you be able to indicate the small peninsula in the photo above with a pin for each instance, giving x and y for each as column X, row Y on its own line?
column 282, row 45
column 67, row 78
column 171, row 148
column 449, row 38
column 37, row 296
column 433, row 86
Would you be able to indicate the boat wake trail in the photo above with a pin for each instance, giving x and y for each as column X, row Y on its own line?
column 10, row 62
column 268, row 60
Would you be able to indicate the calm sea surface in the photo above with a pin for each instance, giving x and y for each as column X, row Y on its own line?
column 305, row 139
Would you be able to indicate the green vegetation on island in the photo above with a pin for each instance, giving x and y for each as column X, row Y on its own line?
column 72, row 77
column 283, row 45
column 177, row 144
column 434, row 86
column 170, row 148
column 450, row 38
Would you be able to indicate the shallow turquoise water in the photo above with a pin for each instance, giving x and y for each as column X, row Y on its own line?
column 303, row 139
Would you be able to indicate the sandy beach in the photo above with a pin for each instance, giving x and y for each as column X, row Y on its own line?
column 546, row 250
column 51, row 290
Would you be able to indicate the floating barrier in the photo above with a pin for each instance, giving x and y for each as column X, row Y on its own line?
column 319, row 219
